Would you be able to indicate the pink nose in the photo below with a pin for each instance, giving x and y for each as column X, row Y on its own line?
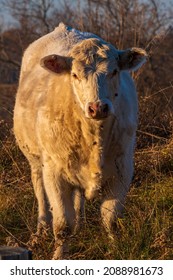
column 98, row 110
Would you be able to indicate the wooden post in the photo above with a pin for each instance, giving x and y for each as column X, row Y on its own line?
column 14, row 253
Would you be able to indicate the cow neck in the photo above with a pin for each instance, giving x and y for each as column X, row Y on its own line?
column 97, row 137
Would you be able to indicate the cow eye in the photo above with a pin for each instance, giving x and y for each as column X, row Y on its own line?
column 112, row 74
column 75, row 76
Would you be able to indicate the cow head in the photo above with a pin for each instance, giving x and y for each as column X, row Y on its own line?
column 95, row 69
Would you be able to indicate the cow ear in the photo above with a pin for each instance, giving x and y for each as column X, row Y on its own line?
column 132, row 59
column 56, row 63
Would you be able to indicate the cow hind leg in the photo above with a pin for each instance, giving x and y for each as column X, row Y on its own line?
column 44, row 215
column 78, row 201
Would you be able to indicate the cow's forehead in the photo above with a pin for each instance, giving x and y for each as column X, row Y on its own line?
column 93, row 56
column 91, row 50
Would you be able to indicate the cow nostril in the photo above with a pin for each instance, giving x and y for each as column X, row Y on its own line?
column 98, row 110
column 91, row 110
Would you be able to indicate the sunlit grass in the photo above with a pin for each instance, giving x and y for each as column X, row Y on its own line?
column 145, row 232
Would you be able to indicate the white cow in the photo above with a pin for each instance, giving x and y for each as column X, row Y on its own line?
column 75, row 120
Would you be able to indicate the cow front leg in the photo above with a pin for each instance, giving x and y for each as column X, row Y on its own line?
column 64, row 221
column 113, row 205
column 111, row 210
column 60, row 198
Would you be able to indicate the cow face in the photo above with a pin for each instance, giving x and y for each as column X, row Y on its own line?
column 95, row 74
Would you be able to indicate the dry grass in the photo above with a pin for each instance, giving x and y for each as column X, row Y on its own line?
column 145, row 232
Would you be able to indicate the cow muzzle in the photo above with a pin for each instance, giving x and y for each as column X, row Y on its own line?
column 98, row 110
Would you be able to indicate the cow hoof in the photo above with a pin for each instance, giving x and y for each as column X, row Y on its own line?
column 33, row 241
column 37, row 238
column 61, row 251
column 43, row 230
column 58, row 253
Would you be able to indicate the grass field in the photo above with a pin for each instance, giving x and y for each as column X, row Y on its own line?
column 145, row 232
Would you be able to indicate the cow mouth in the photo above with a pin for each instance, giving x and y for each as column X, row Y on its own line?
column 98, row 118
